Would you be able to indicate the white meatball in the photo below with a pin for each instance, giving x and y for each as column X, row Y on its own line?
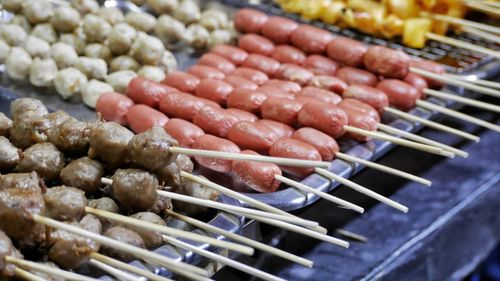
column 188, row 11
column 148, row 49
column 124, row 63
column 43, row 72
column 141, row 21
column 77, row 42
column 213, row 19
column 152, row 72
column 119, row 80
column 168, row 62
column 197, row 36
column 85, row 6
column 13, row 34
column 120, row 38
column 96, row 29
column 112, row 15
column 92, row 67
column 65, row 19
column 163, row 6
column 169, row 30
column 93, row 90
column 63, row 54
column 36, row 47
column 4, row 51
column 22, row 22
column 37, row 11
column 98, row 51
column 13, row 6
column 46, row 32
column 69, row 82
column 18, row 63
column 219, row 37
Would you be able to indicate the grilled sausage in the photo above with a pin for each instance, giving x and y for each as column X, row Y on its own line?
column 256, row 76
column 292, row 148
column 401, row 95
column 142, row 118
column 263, row 63
column 387, row 62
column 254, row 43
column 320, row 95
column 294, row 73
column 247, row 100
column 352, row 76
column 321, row 65
column 214, row 90
column 233, row 54
column 183, row 131
column 182, row 81
column 326, row 145
column 288, row 54
column 432, row 67
column 182, row 105
column 258, row 176
column 287, row 86
column 329, row 83
column 370, row 95
column 282, row 110
column 148, row 92
column 310, row 39
column 418, row 82
column 249, row 20
column 215, row 121
column 279, row 29
column 327, row 118
column 209, row 142
column 217, row 62
column 253, row 136
column 240, row 82
column 242, row 115
column 360, row 115
column 281, row 129
column 347, row 51
column 203, row 72
column 271, row 91
column 114, row 107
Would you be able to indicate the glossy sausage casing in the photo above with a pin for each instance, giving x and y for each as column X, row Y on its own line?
column 217, row 62
column 327, row 118
column 279, row 29
column 352, row 76
column 418, row 82
column 288, row 54
column 294, row 73
column 182, row 105
column 183, row 131
column 253, row 136
column 292, row 148
column 249, row 20
column 231, row 53
column 271, row 91
column 282, row 110
column 401, row 95
column 329, row 83
column 254, row 43
column 148, row 92
column 204, row 72
column 320, row 95
column 310, row 39
column 256, row 76
column 247, row 100
column 242, row 115
column 240, row 82
column 387, row 62
column 347, row 51
column 141, row 118
column 209, row 142
column 326, row 145
column 114, row 107
column 258, row 176
column 281, row 129
column 288, row 86
column 263, row 63
column 214, row 90
column 360, row 115
column 182, row 81
column 321, row 65
column 431, row 66
column 370, row 95
column 215, row 120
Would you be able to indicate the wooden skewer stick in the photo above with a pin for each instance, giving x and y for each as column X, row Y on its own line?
column 431, row 124
column 362, row 189
column 224, row 260
column 486, row 83
column 482, row 34
column 290, row 182
column 402, row 142
column 462, row 44
column 113, row 271
column 180, row 268
column 415, row 137
column 170, row 231
column 467, row 101
column 26, row 275
column 456, row 82
column 383, row 168
column 47, row 269
column 458, row 115
column 241, row 239
column 490, row 3
column 256, row 158
column 482, row 8
column 464, row 22
column 130, row 268
column 235, row 209
column 303, row 231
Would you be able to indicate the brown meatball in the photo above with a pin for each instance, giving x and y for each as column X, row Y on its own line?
column 55, row 119
column 9, row 155
column 22, row 181
column 23, row 105
column 196, row 190
column 126, row 236
column 152, row 239
column 5, row 125
column 43, row 158
column 28, row 129
column 161, row 205
column 170, row 175
column 83, row 173
column 150, row 149
column 108, row 141
column 105, row 204
column 65, row 203
column 72, row 137
column 134, row 189
column 7, row 249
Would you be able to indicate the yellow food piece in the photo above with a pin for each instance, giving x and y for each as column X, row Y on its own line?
column 332, row 13
column 427, row 4
column 403, row 8
column 292, row 6
column 414, row 32
column 313, row 9
column 391, row 26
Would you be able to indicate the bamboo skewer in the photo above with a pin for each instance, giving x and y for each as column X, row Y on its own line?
column 170, row 231
column 471, row 102
column 241, row 239
column 26, row 275
column 431, row 124
column 113, row 271
column 224, row 260
column 402, row 142
column 458, row 115
column 415, row 137
column 456, row 82
column 130, row 268
column 462, row 44
column 481, row 82
column 180, row 268
column 490, row 3
column 482, row 34
column 465, row 23
column 482, row 8
column 47, row 269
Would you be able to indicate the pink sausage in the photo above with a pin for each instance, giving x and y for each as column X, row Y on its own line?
column 243, row 115
column 418, row 82
column 247, row 100
column 296, row 149
column 321, row 65
column 279, row 29
column 254, row 43
column 431, row 66
column 387, row 62
column 370, row 95
column 329, row 83
column 263, row 63
column 294, row 73
column 282, row 110
column 183, row 131
column 281, row 129
column 320, row 95
column 271, row 91
column 215, row 121
column 327, row 118
column 288, row 54
column 360, row 115
column 259, row 176
column 217, row 62
column 209, row 142
column 352, row 75
column 253, row 136
column 287, row 86
column 240, row 82
column 347, row 51
column 401, row 95
column 182, row 105
column 114, row 107
column 231, row 53
column 203, row 72
column 148, row 92
column 214, row 90
column 256, row 76
column 141, row 118
column 249, row 20
column 310, row 39
column 182, row 81
column 326, row 145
